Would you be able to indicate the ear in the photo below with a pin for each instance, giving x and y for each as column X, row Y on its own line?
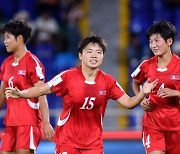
column 20, row 37
column 80, row 56
column 169, row 41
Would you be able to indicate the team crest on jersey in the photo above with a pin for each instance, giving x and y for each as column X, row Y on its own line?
column 102, row 92
column 22, row 72
column 175, row 77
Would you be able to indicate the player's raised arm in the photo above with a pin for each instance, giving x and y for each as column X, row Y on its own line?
column 131, row 102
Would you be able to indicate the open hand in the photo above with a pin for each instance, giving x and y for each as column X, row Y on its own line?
column 149, row 86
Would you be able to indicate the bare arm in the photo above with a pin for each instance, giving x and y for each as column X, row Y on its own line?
column 2, row 95
column 32, row 92
column 47, row 128
column 136, row 87
column 131, row 102
column 145, row 104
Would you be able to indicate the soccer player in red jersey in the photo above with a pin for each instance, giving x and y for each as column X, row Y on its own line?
column 23, row 119
column 85, row 91
column 161, row 121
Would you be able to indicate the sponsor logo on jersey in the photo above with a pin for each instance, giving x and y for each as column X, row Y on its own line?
column 22, row 72
column 102, row 92
column 175, row 77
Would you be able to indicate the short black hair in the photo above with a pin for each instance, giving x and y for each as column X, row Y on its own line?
column 92, row 39
column 164, row 28
column 18, row 27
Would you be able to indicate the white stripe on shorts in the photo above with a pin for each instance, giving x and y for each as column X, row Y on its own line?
column 32, row 146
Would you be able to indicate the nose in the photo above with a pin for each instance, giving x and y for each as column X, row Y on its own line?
column 153, row 44
column 4, row 41
column 94, row 54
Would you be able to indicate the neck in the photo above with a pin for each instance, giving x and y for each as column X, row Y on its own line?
column 20, row 53
column 89, row 74
column 164, row 60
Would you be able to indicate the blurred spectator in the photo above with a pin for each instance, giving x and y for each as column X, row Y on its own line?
column 70, row 14
column 136, row 51
column 46, row 28
column 51, row 5
column 25, row 15
column 176, row 45
column 74, row 15
column 3, row 52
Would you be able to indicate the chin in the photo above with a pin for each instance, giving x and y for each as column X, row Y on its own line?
column 8, row 50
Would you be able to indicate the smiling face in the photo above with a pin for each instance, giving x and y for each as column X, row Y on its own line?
column 92, row 56
column 158, row 45
column 10, row 42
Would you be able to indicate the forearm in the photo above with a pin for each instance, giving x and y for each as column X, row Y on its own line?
column 47, row 128
column 38, row 90
column 177, row 93
column 44, row 109
column 30, row 92
column 2, row 96
column 131, row 102
column 2, row 101
column 136, row 100
column 136, row 87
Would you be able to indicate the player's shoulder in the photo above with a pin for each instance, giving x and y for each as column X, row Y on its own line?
column 31, row 57
column 7, row 59
column 176, row 58
column 105, row 75
column 148, row 61
column 70, row 72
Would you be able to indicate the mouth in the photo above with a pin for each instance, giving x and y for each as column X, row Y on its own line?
column 156, row 50
column 93, row 61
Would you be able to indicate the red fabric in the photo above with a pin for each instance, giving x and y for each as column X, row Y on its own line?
column 22, row 76
column 80, row 123
column 165, row 115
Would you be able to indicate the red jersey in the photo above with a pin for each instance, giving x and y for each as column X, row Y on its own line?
column 166, row 113
column 24, row 75
column 84, row 104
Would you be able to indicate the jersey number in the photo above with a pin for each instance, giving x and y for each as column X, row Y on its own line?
column 147, row 141
column 162, row 86
column 10, row 82
column 88, row 103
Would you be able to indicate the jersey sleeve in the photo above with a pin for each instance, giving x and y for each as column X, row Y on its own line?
column 176, row 81
column 140, row 73
column 35, row 71
column 57, row 84
column 116, row 91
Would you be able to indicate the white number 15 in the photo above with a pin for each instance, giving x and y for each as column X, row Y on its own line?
column 88, row 103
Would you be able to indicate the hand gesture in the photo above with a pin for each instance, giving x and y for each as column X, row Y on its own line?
column 12, row 92
column 149, row 86
column 146, row 105
column 166, row 92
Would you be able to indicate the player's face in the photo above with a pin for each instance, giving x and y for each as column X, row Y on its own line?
column 10, row 42
column 92, row 56
column 158, row 45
